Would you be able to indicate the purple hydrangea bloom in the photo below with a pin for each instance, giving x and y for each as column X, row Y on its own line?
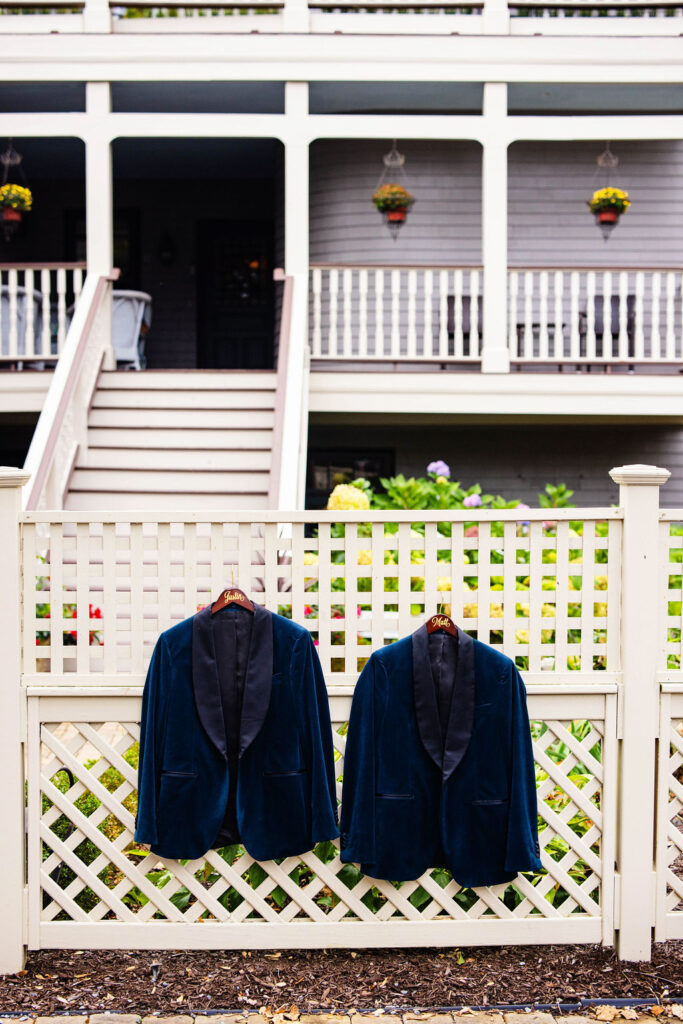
column 439, row 468
column 472, row 501
column 522, row 504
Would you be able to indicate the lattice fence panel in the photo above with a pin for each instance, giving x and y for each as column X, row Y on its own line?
column 670, row 820
column 671, row 568
column 98, row 593
column 87, row 869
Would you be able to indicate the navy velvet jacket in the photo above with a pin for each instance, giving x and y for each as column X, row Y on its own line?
column 236, row 741
column 438, row 768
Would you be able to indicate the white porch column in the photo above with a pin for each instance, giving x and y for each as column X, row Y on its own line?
column 295, row 427
column 640, row 643
column 12, row 880
column 495, row 353
column 99, row 189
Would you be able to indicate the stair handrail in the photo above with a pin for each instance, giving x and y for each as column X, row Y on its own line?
column 280, row 386
column 62, row 424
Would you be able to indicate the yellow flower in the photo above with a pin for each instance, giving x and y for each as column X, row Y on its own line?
column 443, row 583
column 441, row 480
column 346, row 497
column 470, row 611
column 522, row 636
column 364, row 557
column 601, row 583
column 311, row 558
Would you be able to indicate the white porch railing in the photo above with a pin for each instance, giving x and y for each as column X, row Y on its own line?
column 34, row 302
column 397, row 17
column 396, row 313
column 590, row 315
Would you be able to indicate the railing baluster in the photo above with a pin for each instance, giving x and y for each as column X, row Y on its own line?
column 30, row 346
column 363, row 313
column 607, row 308
column 670, row 326
column 347, row 292
column 412, row 338
column 574, row 322
column 590, row 315
column 528, row 314
column 623, row 315
column 46, row 292
column 655, row 334
column 457, row 314
column 12, row 285
column 334, row 293
column 513, row 278
column 379, row 314
column 639, row 332
column 395, row 313
column 443, row 314
column 543, row 315
column 427, row 339
column 61, row 308
column 475, row 330
column 316, row 339
column 558, row 289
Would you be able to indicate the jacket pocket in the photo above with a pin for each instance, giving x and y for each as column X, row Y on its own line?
column 180, row 775
column 395, row 796
column 487, row 803
column 294, row 771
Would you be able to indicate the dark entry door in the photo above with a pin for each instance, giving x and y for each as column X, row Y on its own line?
column 235, row 294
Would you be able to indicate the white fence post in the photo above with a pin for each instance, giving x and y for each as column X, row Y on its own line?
column 12, row 878
column 639, row 498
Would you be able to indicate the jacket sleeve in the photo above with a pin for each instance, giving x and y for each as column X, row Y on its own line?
column 316, row 740
column 358, row 792
column 522, row 851
column 151, row 731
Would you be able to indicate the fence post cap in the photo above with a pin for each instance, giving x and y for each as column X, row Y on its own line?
column 12, row 476
column 640, row 474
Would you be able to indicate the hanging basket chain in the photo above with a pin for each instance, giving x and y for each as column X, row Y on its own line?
column 391, row 197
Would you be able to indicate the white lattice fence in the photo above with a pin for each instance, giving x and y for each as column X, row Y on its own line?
column 91, row 885
column 545, row 592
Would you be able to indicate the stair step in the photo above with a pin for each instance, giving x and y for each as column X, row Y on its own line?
column 175, row 438
column 184, row 459
column 169, row 482
column 174, row 418
column 188, row 380
column 135, row 398
column 78, row 501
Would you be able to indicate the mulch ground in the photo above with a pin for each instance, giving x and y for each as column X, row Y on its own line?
column 199, row 982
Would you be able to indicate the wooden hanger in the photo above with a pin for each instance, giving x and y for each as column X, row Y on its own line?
column 232, row 595
column 441, row 621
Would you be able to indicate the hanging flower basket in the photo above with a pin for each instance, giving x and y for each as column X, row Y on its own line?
column 608, row 204
column 15, row 201
column 16, row 198
column 393, row 199
column 393, row 202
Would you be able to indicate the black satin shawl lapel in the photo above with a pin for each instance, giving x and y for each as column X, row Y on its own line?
column 257, row 684
column 207, row 693
column 426, row 710
column 461, row 716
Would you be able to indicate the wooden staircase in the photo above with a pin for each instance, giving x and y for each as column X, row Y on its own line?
column 177, row 439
